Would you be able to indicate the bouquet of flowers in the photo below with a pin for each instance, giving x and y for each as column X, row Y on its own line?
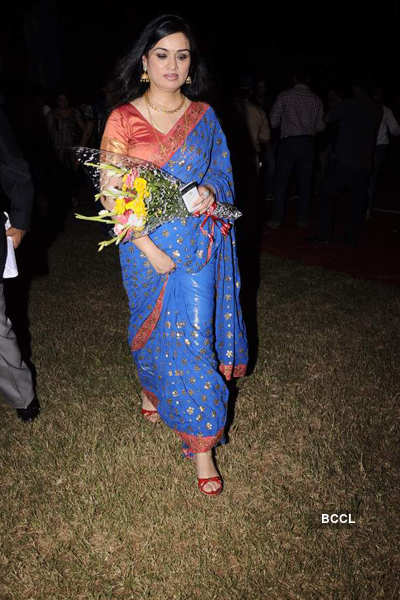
column 145, row 195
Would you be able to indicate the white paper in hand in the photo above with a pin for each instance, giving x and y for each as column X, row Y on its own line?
column 190, row 195
column 10, row 269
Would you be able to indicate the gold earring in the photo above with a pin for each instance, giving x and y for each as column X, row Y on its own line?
column 188, row 80
column 144, row 78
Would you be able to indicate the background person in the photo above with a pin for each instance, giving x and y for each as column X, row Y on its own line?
column 250, row 134
column 255, row 119
column 357, row 120
column 16, row 385
column 264, row 100
column 299, row 114
column 388, row 127
column 66, row 127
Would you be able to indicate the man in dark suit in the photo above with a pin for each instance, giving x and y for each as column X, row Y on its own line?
column 16, row 386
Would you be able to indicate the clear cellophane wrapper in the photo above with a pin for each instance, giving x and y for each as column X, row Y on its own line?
column 151, row 196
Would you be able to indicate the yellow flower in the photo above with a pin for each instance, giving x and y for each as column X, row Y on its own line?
column 140, row 185
column 138, row 206
column 120, row 206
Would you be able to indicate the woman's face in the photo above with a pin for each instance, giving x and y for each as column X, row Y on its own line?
column 168, row 62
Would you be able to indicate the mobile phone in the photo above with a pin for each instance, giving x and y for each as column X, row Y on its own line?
column 190, row 195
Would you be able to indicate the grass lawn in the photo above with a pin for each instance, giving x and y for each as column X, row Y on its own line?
column 97, row 504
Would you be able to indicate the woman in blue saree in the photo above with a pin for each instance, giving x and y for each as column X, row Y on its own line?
column 186, row 331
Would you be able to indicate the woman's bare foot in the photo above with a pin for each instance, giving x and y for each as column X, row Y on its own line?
column 206, row 468
column 147, row 405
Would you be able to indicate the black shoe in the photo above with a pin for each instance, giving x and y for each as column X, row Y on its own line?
column 29, row 413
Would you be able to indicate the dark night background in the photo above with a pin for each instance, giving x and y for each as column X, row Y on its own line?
column 74, row 45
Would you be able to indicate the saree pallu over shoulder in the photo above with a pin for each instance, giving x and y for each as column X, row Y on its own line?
column 186, row 330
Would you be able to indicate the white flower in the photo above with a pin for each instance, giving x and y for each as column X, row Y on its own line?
column 135, row 221
column 118, row 228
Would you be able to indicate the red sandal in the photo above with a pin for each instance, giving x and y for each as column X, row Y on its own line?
column 147, row 414
column 203, row 482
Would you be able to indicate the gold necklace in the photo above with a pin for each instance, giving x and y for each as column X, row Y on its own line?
column 164, row 151
column 161, row 108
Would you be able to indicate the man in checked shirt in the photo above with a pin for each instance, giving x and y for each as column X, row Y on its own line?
column 299, row 114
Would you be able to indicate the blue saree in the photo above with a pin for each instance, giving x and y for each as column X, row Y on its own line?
column 186, row 331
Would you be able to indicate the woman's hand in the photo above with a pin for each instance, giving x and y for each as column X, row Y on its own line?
column 206, row 199
column 108, row 203
column 159, row 260
column 109, row 181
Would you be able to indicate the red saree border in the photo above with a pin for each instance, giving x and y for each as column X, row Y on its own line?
column 184, row 127
column 229, row 371
column 147, row 327
column 198, row 443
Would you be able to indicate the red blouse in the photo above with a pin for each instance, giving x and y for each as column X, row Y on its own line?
column 128, row 132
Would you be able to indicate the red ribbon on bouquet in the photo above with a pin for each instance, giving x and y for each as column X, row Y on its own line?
column 224, row 227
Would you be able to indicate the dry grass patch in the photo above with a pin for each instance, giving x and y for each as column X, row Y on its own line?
column 97, row 504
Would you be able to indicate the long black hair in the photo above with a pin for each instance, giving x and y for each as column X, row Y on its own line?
column 126, row 84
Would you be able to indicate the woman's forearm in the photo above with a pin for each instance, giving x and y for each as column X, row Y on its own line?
column 145, row 244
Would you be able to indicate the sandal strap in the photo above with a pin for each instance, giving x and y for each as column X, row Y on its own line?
column 148, row 412
column 203, row 482
column 152, row 416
